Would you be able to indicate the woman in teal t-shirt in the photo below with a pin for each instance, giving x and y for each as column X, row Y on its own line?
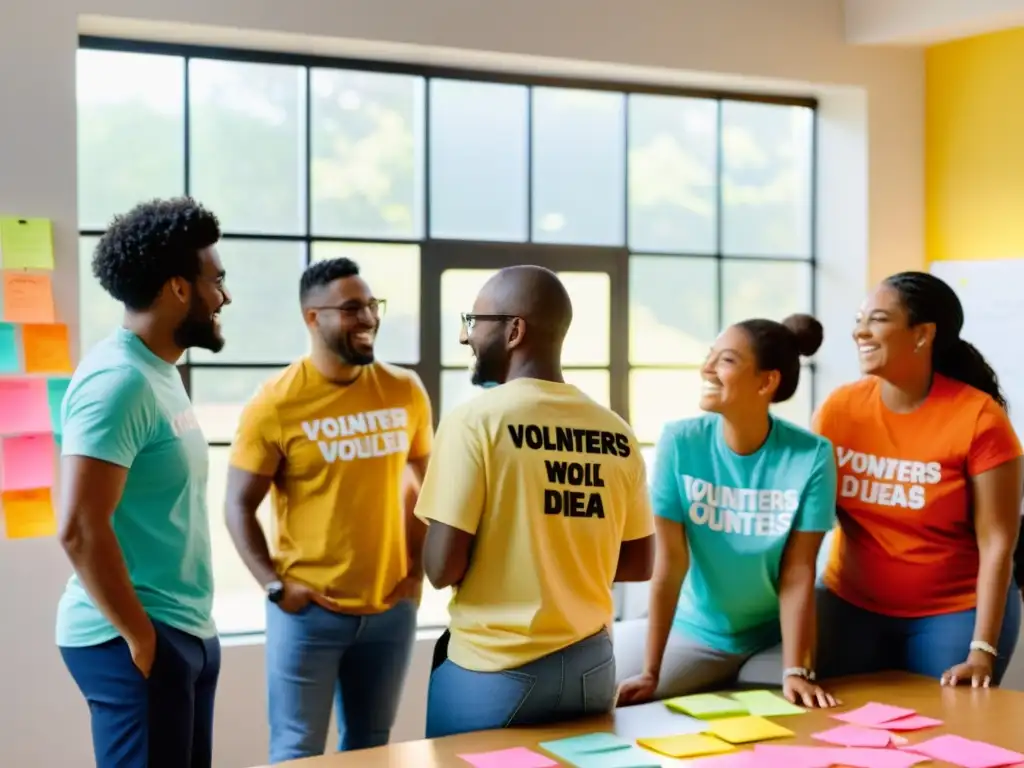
column 742, row 500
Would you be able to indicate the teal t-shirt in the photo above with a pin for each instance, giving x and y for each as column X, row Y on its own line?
column 128, row 407
column 738, row 512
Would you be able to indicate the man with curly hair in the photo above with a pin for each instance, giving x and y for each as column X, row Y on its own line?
column 134, row 624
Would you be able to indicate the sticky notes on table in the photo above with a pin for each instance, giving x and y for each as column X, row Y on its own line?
column 10, row 360
column 27, row 462
column 747, row 729
column 24, row 408
column 26, row 243
column 56, row 388
column 767, row 704
column 588, row 742
column 858, row 736
column 965, row 752
column 706, row 705
column 28, row 298
column 686, row 745
column 47, row 348
column 517, row 757
column 909, row 723
column 779, row 756
column 600, row 750
column 874, row 714
column 28, row 514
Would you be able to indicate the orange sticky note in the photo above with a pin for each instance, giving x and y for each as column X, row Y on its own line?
column 46, row 348
column 28, row 298
column 28, row 514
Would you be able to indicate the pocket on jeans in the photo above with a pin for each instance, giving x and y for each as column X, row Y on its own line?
column 524, row 684
column 599, row 688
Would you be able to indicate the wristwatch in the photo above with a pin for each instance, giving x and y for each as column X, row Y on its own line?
column 275, row 591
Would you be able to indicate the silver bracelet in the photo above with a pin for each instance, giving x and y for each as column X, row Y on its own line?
column 981, row 645
column 806, row 674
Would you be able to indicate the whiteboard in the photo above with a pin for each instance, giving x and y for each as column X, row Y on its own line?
column 992, row 293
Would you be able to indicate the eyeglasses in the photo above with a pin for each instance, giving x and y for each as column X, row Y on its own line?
column 469, row 320
column 376, row 308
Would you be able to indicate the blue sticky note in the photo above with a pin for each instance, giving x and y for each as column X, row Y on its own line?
column 9, row 359
column 585, row 744
column 629, row 757
column 55, row 390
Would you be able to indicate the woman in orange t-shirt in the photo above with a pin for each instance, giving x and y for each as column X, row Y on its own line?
column 930, row 478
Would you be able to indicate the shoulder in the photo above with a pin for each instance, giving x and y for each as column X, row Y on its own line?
column 696, row 429
column 277, row 389
column 800, row 442
column 962, row 397
column 117, row 386
column 853, row 394
column 395, row 376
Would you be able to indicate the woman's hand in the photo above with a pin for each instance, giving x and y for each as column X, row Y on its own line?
column 637, row 690
column 977, row 669
column 802, row 691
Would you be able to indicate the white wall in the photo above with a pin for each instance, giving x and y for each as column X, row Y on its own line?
column 870, row 99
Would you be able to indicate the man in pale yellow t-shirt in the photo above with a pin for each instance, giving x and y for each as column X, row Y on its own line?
column 536, row 502
column 332, row 438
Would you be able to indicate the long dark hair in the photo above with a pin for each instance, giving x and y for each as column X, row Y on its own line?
column 779, row 346
column 928, row 299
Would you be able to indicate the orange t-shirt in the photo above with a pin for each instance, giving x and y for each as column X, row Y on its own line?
column 905, row 544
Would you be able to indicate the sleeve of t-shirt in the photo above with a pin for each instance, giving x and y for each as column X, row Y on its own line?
column 454, row 488
column 422, row 419
column 665, row 498
column 110, row 415
column 994, row 442
column 818, row 509
column 257, row 444
column 639, row 517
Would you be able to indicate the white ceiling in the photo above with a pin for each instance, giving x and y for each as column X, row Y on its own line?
column 923, row 22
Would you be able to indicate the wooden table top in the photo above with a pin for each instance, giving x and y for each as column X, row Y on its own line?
column 992, row 715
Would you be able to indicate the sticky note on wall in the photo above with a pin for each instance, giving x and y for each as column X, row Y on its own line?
column 28, row 298
column 47, row 348
column 28, row 514
column 26, row 243
column 55, row 391
column 10, row 360
column 24, row 408
column 27, row 462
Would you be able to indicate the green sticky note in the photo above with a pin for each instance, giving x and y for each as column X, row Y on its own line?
column 767, row 704
column 706, row 705
column 629, row 757
column 26, row 243
column 588, row 743
column 55, row 389
column 9, row 361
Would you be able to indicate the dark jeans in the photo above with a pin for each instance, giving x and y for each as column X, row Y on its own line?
column 165, row 721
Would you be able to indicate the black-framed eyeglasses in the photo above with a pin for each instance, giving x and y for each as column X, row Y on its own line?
column 469, row 320
column 376, row 308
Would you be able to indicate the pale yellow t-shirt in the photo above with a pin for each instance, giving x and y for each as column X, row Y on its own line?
column 550, row 484
column 337, row 455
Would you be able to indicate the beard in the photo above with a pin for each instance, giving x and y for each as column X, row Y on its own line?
column 344, row 348
column 490, row 367
column 198, row 329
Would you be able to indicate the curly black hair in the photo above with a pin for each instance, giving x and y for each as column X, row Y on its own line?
column 321, row 273
column 152, row 243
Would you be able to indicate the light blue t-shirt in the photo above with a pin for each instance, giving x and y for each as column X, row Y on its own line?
column 738, row 512
column 128, row 407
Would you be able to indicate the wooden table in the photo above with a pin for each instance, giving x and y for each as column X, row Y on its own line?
column 992, row 715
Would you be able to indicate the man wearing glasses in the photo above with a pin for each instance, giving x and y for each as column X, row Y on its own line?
column 334, row 440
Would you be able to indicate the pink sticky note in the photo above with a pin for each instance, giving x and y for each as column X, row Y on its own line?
column 874, row 714
column 911, row 723
column 24, row 408
column 965, row 752
column 854, row 736
column 770, row 756
column 516, row 757
column 27, row 462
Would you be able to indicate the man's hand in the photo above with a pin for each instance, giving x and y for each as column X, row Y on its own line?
column 296, row 597
column 143, row 650
column 409, row 588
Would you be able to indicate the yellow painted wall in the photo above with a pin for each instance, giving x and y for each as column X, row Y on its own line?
column 974, row 150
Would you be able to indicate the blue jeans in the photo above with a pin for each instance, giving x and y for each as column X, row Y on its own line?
column 853, row 641
column 574, row 682
column 163, row 721
column 316, row 658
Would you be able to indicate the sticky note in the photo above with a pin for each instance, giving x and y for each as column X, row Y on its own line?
column 589, row 742
column 28, row 298
column 777, row 756
column 517, row 757
column 9, row 358
column 873, row 713
column 27, row 462
column 686, row 745
column 965, row 752
column 629, row 757
column 26, row 243
column 28, row 514
column 744, row 730
column 767, row 704
column 23, row 407
column 47, row 349
column 909, row 723
column 743, row 759
column 706, row 705
column 854, row 736
column 55, row 391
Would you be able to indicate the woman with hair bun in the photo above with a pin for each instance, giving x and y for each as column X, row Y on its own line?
column 742, row 500
column 919, row 570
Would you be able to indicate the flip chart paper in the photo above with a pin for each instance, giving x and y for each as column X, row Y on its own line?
column 855, row 736
column 874, row 713
column 517, row 757
column 706, row 705
column 965, row 752
column 28, row 514
column 910, row 723
column 23, row 407
column 767, row 704
column 28, row 462
column 47, row 349
column 26, row 243
column 652, row 723
column 686, row 745
column 28, row 298
column 744, row 730
column 9, row 358
column 55, row 391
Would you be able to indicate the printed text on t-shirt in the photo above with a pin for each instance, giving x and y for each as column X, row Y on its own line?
column 885, row 481
column 742, row 511
column 366, row 435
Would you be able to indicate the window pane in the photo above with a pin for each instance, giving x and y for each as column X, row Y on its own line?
column 393, row 274
column 457, row 388
column 766, row 179
column 247, row 153
column 770, row 290
column 98, row 313
column 579, row 174
column 647, row 451
column 798, row 408
column 673, row 313
column 595, row 384
column 672, row 168
column 131, row 132
column 263, row 323
column 657, row 397
column 219, row 394
column 367, row 174
column 478, row 160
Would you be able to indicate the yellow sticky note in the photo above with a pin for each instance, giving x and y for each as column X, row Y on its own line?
column 743, row 730
column 686, row 745
column 28, row 514
column 26, row 243
column 46, row 348
column 28, row 298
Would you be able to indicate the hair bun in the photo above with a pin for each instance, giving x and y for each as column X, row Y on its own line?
column 808, row 331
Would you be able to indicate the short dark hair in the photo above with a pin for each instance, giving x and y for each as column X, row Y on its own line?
column 322, row 273
column 929, row 299
column 152, row 243
column 779, row 346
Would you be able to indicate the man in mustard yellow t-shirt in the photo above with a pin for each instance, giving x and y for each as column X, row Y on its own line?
column 332, row 438
column 536, row 502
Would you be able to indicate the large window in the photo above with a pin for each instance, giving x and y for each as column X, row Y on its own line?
column 668, row 215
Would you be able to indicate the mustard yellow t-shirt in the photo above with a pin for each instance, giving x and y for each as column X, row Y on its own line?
column 337, row 455
column 550, row 484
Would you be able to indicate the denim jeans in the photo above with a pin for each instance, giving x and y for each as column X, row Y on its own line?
column 853, row 641
column 575, row 682
column 316, row 658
